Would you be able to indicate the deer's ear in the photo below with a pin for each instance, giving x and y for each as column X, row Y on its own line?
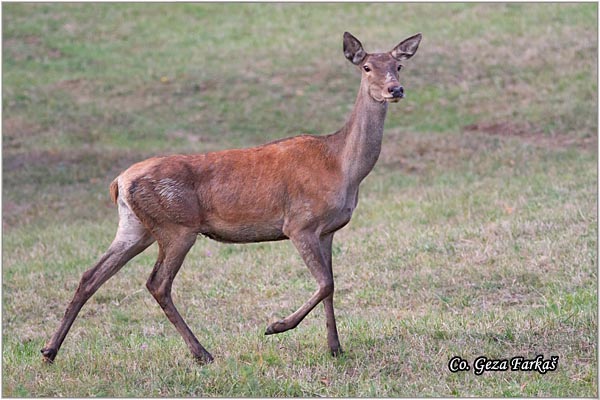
column 353, row 49
column 407, row 48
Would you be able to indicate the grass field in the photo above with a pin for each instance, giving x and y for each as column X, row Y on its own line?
column 475, row 235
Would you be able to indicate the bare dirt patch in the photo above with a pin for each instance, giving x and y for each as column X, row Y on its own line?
column 29, row 47
column 54, row 159
column 70, row 84
column 416, row 153
column 15, row 130
column 82, row 91
column 531, row 134
column 503, row 128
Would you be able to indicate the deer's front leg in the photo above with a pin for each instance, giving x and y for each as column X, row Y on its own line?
column 309, row 246
column 332, row 334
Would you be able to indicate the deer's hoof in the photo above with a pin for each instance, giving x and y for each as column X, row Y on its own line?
column 48, row 355
column 204, row 359
column 275, row 327
column 336, row 351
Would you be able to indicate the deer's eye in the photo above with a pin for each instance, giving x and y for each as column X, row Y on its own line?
column 400, row 67
column 366, row 68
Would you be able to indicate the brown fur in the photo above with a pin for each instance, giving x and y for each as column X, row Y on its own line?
column 303, row 188
column 114, row 191
column 246, row 195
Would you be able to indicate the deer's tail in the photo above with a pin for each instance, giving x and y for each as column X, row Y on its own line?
column 114, row 190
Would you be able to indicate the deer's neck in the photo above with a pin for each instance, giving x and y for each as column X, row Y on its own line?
column 360, row 138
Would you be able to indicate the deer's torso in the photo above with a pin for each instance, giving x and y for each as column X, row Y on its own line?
column 248, row 195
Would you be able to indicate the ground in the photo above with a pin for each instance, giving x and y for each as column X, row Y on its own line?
column 475, row 235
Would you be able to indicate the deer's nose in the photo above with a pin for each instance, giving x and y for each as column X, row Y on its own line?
column 396, row 91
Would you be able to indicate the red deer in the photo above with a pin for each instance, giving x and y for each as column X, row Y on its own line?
column 303, row 188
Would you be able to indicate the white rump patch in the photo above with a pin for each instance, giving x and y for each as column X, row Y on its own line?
column 130, row 230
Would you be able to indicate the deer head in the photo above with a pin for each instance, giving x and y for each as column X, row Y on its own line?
column 380, row 70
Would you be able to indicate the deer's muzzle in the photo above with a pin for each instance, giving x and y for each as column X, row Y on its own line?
column 394, row 93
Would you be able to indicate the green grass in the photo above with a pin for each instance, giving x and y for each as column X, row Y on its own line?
column 475, row 235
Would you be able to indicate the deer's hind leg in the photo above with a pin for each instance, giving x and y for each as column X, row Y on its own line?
column 131, row 239
column 174, row 244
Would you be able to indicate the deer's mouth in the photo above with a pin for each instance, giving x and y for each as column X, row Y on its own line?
column 393, row 99
column 385, row 96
